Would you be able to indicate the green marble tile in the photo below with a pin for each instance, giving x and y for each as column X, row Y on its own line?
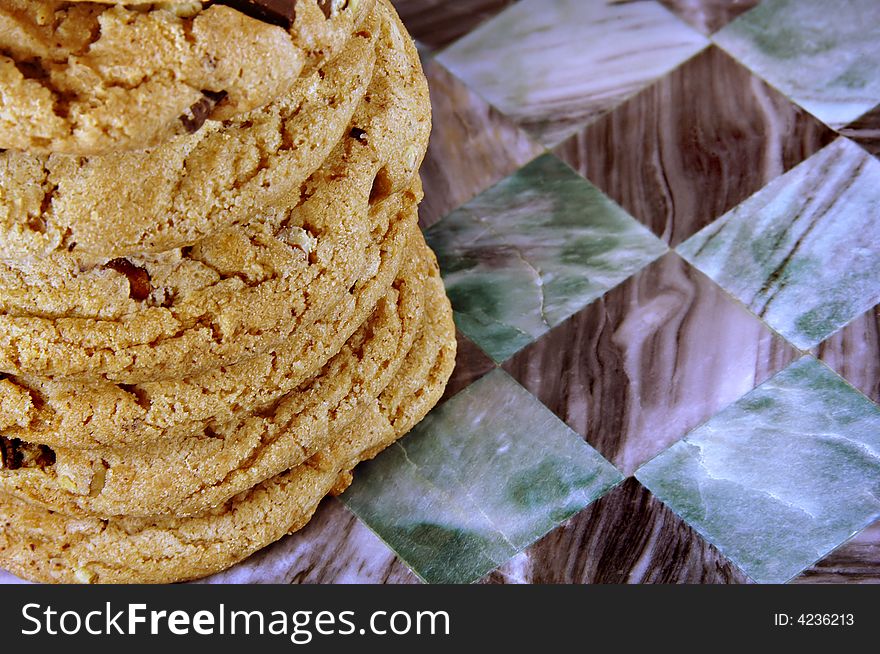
column 482, row 477
column 823, row 55
column 533, row 250
column 804, row 252
column 553, row 65
column 781, row 477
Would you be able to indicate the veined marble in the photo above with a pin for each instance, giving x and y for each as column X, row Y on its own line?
column 804, row 252
column 780, row 478
column 437, row 23
column 708, row 16
column 823, row 55
column 626, row 537
column 471, row 363
column 677, row 166
column 856, row 561
column 854, row 353
column 553, row 65
column 472, row 146
column 649, row 361
column 485, row 475
column 865, row 131
column 532, row 250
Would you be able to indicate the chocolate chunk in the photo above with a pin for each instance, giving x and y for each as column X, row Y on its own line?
column 359, row 134
column 197, row 114
column 32, row 69
column 15, row 454
column 40, row 456
column 327, row 7
column 139, row 285
column 10, row 457
column 274, row 12
column 216, row 96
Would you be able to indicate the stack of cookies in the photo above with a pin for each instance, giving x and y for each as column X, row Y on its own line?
column 214, row 296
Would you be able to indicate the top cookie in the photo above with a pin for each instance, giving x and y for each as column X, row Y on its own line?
column 96, row 77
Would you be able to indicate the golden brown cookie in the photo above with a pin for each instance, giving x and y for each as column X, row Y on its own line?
column 188, row 475
column 74, row 415
column 236, row 294
column 44, row 546
column 90, row 77
column 182, row 191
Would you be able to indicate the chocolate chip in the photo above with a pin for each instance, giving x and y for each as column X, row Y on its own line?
column 32, row 69
column 359, row 134
column 275, row 12
column 139, row 286
column 197, row 114
column 37, row 224
column 44, row 456
column 15, row 454
column 327, row 7
column 10, row 457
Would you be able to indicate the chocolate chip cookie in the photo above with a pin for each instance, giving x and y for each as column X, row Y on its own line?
column 237, row 293
column 76, row 415
column 40, row 545
column 184, row 190
column 191, row 474
column 91, row 77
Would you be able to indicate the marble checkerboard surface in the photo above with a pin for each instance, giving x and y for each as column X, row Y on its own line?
column 659, row 224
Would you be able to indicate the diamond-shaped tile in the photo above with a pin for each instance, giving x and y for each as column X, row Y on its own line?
column 652, row 359
column 626, row 537
column 708, row 15
column 472, row 146
column 334, row 548
column 804, row 252
column 694, row 144
column 854, row 352
column 824, row 56
column 485, row 475
column 866, row 131
column 856, row 561
column 780, row 478
column 553, row 65
column 531, row 251
column 437, row 23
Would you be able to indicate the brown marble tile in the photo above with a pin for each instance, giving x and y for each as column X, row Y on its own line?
column 854, row 352
column 628, row 536
column 855, row 562
column 472, row 146
column 335, row 547
column 708, row 16
column 437, row 23
column 694, row 145
column 652, row 359
column 866, row 131
column 471, row 363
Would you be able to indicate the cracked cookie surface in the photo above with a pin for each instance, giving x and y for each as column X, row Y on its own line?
column 68, row 414
column 177, row 193
column 237, row 293
column 92, row 77
column 188, row 475
column 45, row 546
